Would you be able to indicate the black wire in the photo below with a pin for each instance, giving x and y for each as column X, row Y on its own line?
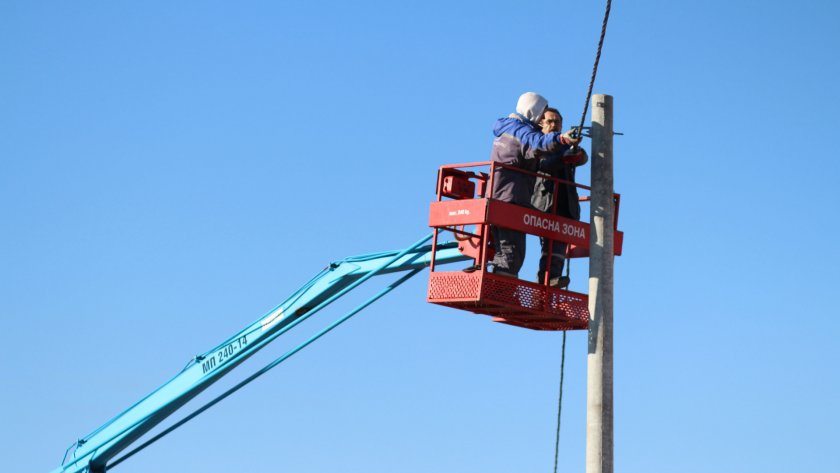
column 595, row 67
column 560, row 403
column 568, row 269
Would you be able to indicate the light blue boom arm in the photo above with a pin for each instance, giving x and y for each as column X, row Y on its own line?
column 93, row 452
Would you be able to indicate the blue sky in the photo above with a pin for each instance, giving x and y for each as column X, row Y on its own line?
column 169, row 171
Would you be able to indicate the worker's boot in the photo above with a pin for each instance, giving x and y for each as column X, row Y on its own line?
column 472, row 269
column 560, row 282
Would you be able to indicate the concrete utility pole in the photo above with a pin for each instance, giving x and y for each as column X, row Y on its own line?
column 599, row 393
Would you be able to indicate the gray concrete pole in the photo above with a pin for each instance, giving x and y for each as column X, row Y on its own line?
column 599, row 393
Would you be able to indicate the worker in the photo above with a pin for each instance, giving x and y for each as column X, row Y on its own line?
column 519, row 142
column 559, row 163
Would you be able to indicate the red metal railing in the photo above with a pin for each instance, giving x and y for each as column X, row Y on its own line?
column 485, row 187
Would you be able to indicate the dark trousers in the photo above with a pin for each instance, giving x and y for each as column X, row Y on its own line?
column 510, row 249
column 558, row 257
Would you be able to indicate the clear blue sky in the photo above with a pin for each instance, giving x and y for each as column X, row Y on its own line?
column 169, row 171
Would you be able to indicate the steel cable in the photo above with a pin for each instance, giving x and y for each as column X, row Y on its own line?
column 595, row 67
column 560, row 403
column 568, row 268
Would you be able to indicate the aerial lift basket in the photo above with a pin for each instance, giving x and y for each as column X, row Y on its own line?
column 466, row 208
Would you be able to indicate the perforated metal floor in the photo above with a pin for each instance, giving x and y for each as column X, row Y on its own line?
column 509, row 300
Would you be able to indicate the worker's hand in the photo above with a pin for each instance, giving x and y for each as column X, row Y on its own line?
column 570, row 138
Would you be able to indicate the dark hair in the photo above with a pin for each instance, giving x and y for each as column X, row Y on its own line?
column 553, row 110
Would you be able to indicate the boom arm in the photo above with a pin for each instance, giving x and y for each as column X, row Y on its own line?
column 94, row 451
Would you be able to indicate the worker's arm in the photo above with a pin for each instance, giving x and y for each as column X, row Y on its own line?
column 534, row 142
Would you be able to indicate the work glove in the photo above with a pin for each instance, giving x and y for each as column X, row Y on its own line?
column 569, row 138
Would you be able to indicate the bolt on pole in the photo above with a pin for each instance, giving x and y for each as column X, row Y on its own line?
column 599, row 393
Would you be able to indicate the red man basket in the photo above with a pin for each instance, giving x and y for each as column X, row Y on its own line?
column 464, row 208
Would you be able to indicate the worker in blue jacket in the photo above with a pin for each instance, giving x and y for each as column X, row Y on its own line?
column 519, row 143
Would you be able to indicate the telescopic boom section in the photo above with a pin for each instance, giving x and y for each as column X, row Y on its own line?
column 93, row 452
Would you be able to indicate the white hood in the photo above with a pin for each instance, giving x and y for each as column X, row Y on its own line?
column 531, row 105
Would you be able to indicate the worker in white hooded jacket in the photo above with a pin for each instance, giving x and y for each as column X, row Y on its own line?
column 519, row 142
